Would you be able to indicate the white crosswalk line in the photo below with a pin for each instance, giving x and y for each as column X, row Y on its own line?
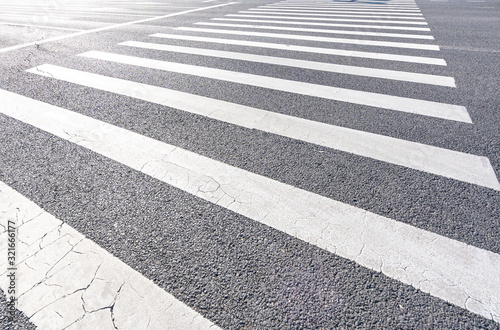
column 306, row 49
column 402, row 11
column 322, row 13
column 321, row 66
column 361, row 26
column 326, row 19
column 439, row 161
column 328, row 31
column 357, row 4
column 403, row 104
column 344, row 8
column 448, row 269
column 69, row 281
column 334, row 11
column 375, row 43
column 349, row 4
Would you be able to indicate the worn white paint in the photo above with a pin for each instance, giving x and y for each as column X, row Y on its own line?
column 461, row 274
column 66, row 280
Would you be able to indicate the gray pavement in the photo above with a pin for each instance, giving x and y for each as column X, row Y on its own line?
column 233, row 269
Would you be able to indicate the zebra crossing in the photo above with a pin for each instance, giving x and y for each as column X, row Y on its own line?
column 108, row 288
column 443, row 267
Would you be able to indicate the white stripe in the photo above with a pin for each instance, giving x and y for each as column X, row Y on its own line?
column 421, row 107
column 347, row 5
column 320, row 13
column 66, row 279
column 344, row 8
column 321, row 66
column 378, row 4
column 362, row 26
column 326, row 51
column 381, row 4
column 7, row 49
column 439, row 161
column 333, row 13
column 339, row 11
column 450, row 270
column 342, row 5
column 350, row 3
column 358, row 33
column 249, row 14
column 314, row 38
column 396, row 10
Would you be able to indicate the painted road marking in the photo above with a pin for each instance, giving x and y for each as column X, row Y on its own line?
column 397, row 103
column 451, row 164
column 356, row 33
column 458, row 273
column 326, row 51
column 377, row 4
column 345, row 5
column 356, row 4
column 337, row 11
column 317, row 50
column 66, row 280
column 319, row 13
column 314, row 38
column 368, row 9
column 39, row 42
column 326, row 19
column 361, row 26
column 321, row 66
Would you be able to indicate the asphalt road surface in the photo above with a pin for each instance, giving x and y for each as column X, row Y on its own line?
column 250, row 164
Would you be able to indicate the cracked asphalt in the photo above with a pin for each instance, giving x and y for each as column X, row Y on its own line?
column 234, row 271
